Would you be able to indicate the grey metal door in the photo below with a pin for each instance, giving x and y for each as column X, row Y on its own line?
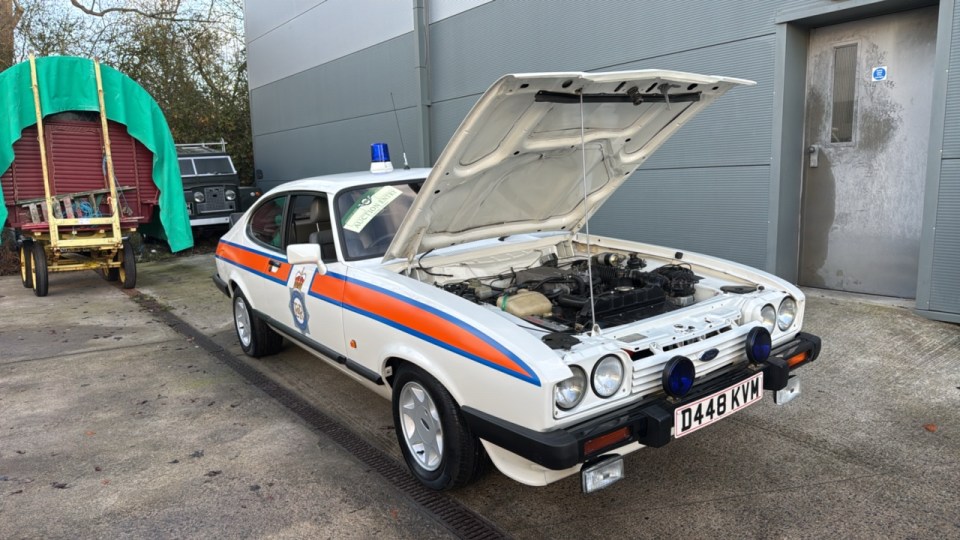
column 867, row 127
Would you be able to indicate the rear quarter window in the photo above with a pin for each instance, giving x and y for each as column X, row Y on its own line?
column 266, row 223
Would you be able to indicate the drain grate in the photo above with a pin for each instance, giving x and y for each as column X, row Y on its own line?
column 457, row 518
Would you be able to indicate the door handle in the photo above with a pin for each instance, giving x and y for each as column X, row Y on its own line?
column 814, row 151
column 274, row 265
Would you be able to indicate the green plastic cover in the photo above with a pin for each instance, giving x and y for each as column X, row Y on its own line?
column 69, row 84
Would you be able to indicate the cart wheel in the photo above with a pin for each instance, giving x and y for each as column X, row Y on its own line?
column 127, row 273
column 26, row 269
column 109, row 274
column 39, row 269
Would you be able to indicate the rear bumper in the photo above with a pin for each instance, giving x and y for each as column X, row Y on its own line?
column 222, row 285
column 649, row 423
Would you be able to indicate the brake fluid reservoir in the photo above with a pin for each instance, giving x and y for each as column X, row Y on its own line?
column 525, row 303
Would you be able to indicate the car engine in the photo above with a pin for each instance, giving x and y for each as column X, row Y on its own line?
column 556, row 296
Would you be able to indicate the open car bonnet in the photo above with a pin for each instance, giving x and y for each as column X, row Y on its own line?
column 516, row 164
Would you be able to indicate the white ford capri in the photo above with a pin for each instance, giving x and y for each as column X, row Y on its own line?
column 470, row 296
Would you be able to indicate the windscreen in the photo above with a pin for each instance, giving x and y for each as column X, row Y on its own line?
column 216, row 165
column 370, row 216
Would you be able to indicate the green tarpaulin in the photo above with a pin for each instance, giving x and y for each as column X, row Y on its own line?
column 69, row 84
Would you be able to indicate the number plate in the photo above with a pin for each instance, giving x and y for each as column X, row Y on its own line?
column 708, row 410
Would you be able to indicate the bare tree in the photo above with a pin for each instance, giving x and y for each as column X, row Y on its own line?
column 167, row 11
column 10, row 14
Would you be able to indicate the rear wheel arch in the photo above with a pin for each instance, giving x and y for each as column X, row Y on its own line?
column 234, row 286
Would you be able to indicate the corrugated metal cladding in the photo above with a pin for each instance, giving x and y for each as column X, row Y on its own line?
column 945, row 275
column 944, row 294
column 715, row 187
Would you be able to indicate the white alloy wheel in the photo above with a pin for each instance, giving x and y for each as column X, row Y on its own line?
column 241, row 316
column 421, row 426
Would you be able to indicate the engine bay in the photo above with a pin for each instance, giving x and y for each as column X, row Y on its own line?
column 555, row 294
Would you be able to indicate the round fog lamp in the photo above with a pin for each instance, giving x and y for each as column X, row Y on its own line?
column 678, row 376
column 758, row 345
column 787, row 313
column 568, row 393
column 198, row 197
column 230, row 195
column 768, row 316
column 607, row 376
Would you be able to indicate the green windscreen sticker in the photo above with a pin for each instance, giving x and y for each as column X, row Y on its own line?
column 369, row 206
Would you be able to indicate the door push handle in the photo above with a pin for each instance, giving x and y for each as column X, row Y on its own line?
column 814, row 151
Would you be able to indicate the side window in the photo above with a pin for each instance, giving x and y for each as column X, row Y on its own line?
column 309, row 223
column 266, row 223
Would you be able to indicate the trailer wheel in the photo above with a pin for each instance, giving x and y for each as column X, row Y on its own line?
column 127, row 273
column 26, row 269
column 109, row 274
column 39, row 269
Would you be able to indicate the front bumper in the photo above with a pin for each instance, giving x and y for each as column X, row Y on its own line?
column 202, row 222
column 650, row 423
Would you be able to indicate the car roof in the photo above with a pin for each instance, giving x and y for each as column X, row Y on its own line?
column 334, row 183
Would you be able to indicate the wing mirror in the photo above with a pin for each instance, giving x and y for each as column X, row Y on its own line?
column 306, row 254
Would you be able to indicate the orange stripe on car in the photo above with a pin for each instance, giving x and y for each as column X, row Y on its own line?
column 254, row 261
column 432, row 326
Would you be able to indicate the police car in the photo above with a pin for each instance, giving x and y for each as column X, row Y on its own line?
column 472, row 296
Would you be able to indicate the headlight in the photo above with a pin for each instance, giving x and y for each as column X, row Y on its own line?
column 607, row 376
column 768, row 316
column 787, row 313
column 198, row 196
column 569, row 392
column 230, row 195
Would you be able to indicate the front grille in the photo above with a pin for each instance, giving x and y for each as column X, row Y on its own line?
column 214, row 201
column 648, row 372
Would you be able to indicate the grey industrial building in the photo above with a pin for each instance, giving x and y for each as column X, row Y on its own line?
column 840, row 169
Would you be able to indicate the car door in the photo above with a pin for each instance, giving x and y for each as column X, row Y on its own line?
column 264, row 258
column 313, row 310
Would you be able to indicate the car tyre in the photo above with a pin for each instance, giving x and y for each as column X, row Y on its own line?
column 256, row 337
column 38, row 269
column 438, row 446
column 26, row 268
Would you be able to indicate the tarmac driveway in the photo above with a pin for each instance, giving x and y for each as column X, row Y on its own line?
column 112, row 424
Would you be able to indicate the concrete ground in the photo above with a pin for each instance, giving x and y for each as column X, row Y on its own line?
column 111, row 424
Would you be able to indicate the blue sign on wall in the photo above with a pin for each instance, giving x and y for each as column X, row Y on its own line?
column 879, row 73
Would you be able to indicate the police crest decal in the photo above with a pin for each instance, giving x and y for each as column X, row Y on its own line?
column 298, row 303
